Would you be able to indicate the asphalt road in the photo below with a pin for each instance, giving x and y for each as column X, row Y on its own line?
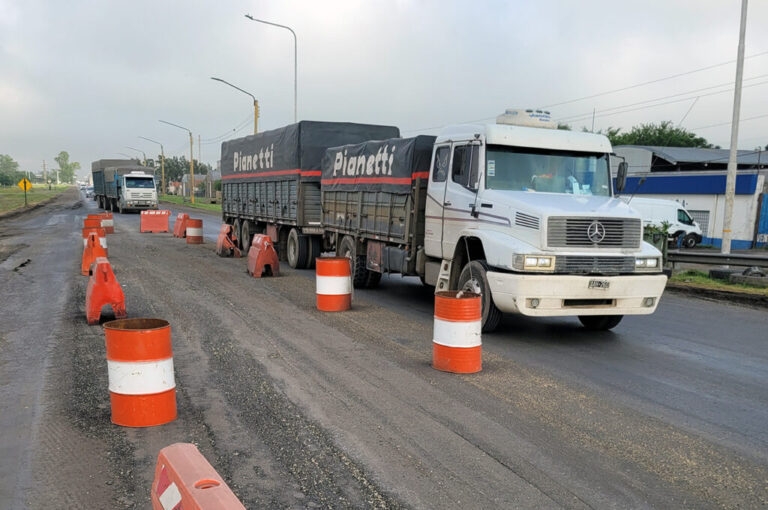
column 298, row 409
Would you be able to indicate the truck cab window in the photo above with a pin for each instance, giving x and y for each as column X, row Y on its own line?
column 683, row 217
column 465, row 165
column 440, row 169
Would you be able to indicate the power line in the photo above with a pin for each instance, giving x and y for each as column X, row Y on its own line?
column 729, row 123
column 657, row 80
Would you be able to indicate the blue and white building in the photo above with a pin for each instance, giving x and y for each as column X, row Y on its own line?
column 696, row 178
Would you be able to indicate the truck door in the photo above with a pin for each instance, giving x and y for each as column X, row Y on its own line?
column 433, row 233
column 460, row 195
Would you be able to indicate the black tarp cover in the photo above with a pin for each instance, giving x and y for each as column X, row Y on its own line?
column 293, row 151
column 386, row 165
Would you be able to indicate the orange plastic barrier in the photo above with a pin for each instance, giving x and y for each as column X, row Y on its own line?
column 456, row 340
column 262, row 257
column 155, row 221
column 333, row 282
column 102, row 237
column 103, row 289
column 92, row 221
column 180, row 225
column 107, row 222
column 185, row 480
column 92, row 250
column 194, row 231
column 226, row 244
column 142, row 389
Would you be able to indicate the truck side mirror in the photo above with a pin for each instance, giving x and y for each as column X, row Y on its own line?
column 621, row 176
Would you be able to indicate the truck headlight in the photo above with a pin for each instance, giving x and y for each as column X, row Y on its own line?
column 534, row 263
column 646, row 263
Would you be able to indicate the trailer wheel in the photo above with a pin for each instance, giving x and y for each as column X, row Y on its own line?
column 475, row 274
column 348, row 248
column 245, row 237
column 373, row 279
column 297, row 249
column 600, row 322
column 315, row 250
column 237, row 228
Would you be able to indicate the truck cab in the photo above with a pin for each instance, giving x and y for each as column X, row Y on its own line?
column 525, row 214
column 136, row 191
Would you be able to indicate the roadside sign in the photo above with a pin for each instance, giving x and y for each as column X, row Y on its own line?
column 25, row 184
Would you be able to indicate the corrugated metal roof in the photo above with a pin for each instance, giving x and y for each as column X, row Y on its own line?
column 679, row 155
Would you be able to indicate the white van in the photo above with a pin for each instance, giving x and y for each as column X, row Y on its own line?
column 655, row 211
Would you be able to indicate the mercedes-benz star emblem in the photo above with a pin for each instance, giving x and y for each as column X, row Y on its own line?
column 596, row 232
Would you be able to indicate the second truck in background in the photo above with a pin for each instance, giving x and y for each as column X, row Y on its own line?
column 122, row 185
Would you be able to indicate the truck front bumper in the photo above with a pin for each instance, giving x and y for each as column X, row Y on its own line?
column 559, row 295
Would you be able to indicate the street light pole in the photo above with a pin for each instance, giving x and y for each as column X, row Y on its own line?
column 191, row 159
column 138, row 150
column 295, row 62
column 162, row 163
column 255, row 103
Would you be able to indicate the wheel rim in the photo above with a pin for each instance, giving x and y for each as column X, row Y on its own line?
column 292, row 250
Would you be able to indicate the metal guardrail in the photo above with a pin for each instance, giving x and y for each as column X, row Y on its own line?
column 717, row 259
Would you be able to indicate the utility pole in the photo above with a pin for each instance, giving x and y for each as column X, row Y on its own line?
column 199, row 152
column 730, row 183
column 45, row 173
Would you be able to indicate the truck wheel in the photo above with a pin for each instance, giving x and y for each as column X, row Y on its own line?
column 237, row 228
column 600, row 322
column 373, row 279
column 315, row 250
column 297, row 249
column 120, row 207
column 689, row 241
column 246, row 237
column 348, row 248
column 476, row 272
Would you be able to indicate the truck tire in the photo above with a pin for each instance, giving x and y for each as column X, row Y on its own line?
column 315, row 250
column 120, row 207
column 477, row 270
column 373, row 279
column 689, row 241
column 237, row 227
column 246, row 236
column 297, row 249
column 348, row 248
column 600, row 322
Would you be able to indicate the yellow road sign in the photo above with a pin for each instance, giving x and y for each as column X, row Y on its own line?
column 25, row 184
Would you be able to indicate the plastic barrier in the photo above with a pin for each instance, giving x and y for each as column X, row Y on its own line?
column 103, row 289
column 142, row 389
column 262, row 257
column 194, row 231
column 92, row 251
column 226, row 244
column 184, row 479
column 107, row 222
column 333, row 282
column 180, row 225
column 92, row 221
column 155, row 221
column 456, row 340
column 102, row 237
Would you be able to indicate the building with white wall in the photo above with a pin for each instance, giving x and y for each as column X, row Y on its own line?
column 696, row 178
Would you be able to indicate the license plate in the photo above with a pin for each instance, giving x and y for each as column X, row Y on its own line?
column 599, row 284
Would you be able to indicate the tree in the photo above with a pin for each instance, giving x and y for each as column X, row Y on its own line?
column 67, row 169
column 664, row 134
column 9, row 171
column 177, row 167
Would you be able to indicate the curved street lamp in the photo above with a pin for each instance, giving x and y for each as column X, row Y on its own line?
column 191, row 160
column 162, row 161
column 295, row 61
column 138, row 150
column 255, row 102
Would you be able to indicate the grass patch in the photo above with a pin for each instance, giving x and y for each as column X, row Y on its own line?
column 175, row 199
column 700, row 279
column 12, row 197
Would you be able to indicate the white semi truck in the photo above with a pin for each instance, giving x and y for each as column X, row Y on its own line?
column 523, row 214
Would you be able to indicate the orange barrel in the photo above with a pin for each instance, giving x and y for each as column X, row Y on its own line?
column 142, row 389
column 107, row 223
column 102, row 237
column 334, row 284
column 194, row 231
column 456, row 341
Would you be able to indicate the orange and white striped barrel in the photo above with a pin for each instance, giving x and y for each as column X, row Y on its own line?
column 142, row 389
column 194, row 231
column 334, row 284
column 456, row 340
column 102, row 237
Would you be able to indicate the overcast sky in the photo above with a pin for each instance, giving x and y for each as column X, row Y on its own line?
column 90, row 77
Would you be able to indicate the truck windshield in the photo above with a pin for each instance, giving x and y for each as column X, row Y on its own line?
column 526, row 169
column 139, row 182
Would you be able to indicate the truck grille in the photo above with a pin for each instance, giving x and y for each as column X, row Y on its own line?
column 579, row 264
column 526, row 220
column 619, row 232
